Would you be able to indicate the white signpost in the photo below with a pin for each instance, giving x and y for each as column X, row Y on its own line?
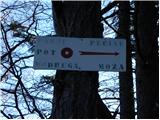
column 82, row 54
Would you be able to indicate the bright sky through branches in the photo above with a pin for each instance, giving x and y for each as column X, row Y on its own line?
column 29, row 76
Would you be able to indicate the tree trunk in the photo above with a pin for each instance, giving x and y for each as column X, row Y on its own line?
column 147, row 71
column 126, row 78
column 76, row 92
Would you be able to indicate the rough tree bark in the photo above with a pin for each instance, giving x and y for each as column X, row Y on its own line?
column 76, row 92
column 147, row 61
column 126, row 78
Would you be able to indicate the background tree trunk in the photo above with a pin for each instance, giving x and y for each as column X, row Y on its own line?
column 147, row 71
column 126, row 78
column 76, row 93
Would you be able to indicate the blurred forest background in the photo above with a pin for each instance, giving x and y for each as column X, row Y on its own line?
column 28, row 93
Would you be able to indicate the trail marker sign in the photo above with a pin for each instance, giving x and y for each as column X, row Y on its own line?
column 82, row 54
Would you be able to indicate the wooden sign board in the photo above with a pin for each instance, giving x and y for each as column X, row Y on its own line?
column 82, row 54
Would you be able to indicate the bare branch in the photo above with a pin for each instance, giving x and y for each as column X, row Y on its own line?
column 16, row 100
column 109, row 7
column 111, row 15
column 105, row 21
column 5, row 115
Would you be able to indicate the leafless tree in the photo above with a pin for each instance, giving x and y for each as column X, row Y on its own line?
column 21, row 93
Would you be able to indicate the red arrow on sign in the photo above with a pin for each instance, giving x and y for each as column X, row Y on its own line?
column 98, row 53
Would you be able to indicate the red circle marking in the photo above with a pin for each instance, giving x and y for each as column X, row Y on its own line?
column 66, row 52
